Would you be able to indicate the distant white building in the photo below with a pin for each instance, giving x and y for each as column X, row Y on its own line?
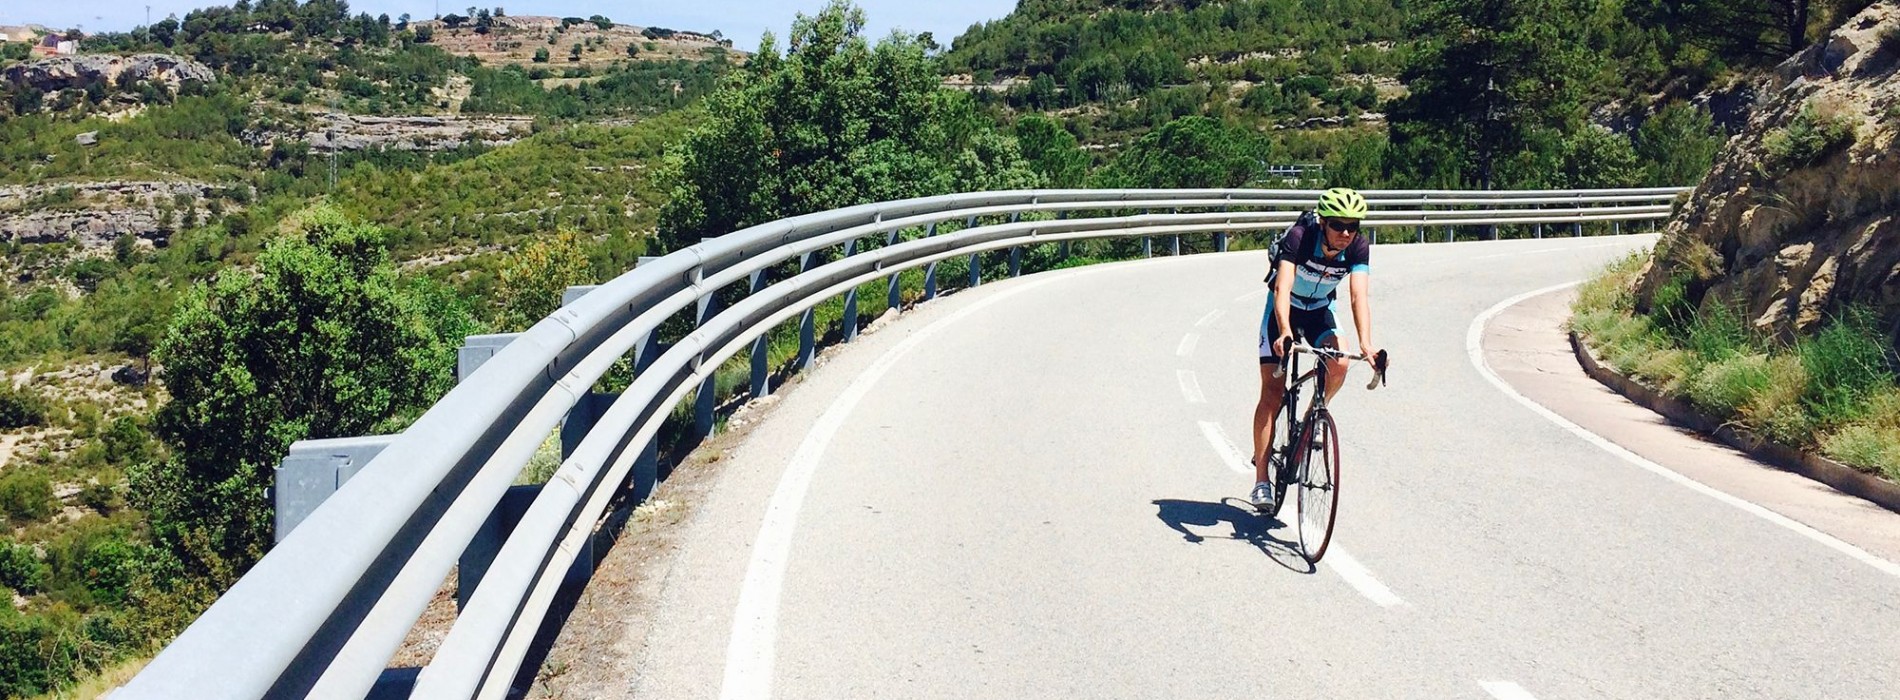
column 68, row 47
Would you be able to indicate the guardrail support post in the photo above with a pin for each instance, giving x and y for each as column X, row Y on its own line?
column 494, row 531
column 1147, row 242
column 930, row 270
column 1616, row 227
column 1540, row 229
column 1062, row 250
column 807, row 322
column 707, row 397
column 894, row 297
column 850, row 320
column 976, row 259
column 1576, row 229
column 761, row 350
column 1016, row 251
column 1220, row 242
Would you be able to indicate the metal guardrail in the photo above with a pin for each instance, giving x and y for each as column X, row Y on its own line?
column 325, row 610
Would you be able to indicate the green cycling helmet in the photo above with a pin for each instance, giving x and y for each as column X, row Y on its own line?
column 1343, row 203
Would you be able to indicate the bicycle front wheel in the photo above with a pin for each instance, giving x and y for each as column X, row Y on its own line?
column 1319, row 485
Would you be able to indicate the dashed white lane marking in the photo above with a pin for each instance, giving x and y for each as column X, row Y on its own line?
column 1559, row 250
column 1209, row 318
column 750, row 653
column 1190, row 387
column 1359, row 578
column 1348, row 568
column 1229, row 454
column 1506, row 690
column 1250, row 296
column 1474, row 346
column 1187, row 344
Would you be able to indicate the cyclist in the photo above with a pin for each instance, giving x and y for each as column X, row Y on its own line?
column 1315, row 254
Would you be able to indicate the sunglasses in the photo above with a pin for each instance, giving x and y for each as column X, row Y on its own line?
column 1342, row 227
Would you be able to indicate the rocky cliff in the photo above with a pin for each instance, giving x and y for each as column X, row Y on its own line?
column 93, row 214
column 1800, row 216
column 77, row 72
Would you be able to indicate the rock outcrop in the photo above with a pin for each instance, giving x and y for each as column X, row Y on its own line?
column 93, row 214
column 335, row 131
column 1796, row 238
column 77, row 72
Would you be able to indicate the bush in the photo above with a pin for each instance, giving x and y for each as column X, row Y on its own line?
column 20, row 408
column 1811, row 136
column 1846, row 365
column 20, row 569
column 26, row 496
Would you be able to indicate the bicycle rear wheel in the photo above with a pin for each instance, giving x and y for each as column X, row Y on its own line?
column 1319, row 485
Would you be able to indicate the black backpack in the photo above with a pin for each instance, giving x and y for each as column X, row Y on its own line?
column 1309, row 221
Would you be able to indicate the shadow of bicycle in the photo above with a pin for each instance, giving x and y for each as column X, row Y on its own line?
column 1245, row 524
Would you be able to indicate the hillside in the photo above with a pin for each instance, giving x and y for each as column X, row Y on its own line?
column 1796, row 221
column 512, row 40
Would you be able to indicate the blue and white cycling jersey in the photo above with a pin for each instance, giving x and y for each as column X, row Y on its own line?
column 1317, row 277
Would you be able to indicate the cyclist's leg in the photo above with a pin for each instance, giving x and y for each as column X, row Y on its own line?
column 1321, row 326
column 1267, row 410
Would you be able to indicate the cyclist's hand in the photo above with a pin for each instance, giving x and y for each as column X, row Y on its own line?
column 1283, row 345
column 1375, row 356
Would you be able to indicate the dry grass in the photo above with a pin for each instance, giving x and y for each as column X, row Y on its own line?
column 107, row 680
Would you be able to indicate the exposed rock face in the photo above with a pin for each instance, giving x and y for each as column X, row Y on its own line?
column 349, row 132
column 92, row 214
column 1797, row 243
column 76, row 72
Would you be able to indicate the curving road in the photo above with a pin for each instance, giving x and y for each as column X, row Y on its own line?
column 1030, row 490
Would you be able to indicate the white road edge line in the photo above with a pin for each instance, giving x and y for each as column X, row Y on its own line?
column 1229, row 454
column 1209, row 318
column 1474, row 346
column 750, row 653
column 1187, row 344
column 1359, row 578
column 1506, row 690
column 1250, row 296
column 1190, row 387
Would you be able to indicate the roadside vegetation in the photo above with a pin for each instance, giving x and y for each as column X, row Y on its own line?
column 1833, row 392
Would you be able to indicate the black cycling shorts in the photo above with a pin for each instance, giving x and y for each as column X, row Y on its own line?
column 1310, row 325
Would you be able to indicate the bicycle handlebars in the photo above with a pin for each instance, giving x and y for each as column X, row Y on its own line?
column 1378, row 361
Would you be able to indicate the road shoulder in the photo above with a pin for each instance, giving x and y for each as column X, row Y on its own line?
column 1528, row 347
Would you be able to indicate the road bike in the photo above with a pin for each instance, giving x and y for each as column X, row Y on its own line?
column 1306, row 451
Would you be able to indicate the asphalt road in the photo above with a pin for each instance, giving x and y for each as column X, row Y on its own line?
column 1031, row 490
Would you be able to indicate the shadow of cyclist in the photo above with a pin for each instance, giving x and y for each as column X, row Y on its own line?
column 1246, row 524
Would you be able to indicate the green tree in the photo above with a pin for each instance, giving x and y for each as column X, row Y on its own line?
column 1677, row 146
column 534, row 276
column 541, row 55
column 1748, row 30
column 1052, row 150
column 319, row 340
column 1486, row 78
column 1596, row 157
column 1193, row 151
column 833, row 122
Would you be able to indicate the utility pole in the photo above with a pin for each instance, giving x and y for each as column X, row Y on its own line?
column 148, row 15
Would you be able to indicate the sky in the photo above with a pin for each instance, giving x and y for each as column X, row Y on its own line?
column 742, row 21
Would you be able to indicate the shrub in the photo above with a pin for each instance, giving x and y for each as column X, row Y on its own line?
column 1717, row 332
column 27, row 496
column 1811, row 136
column 20, row 569
column 1775, row 410
column 20, row 408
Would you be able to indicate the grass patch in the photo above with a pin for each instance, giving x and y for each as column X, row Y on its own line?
column 1834, row 391
column 1814, row 134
